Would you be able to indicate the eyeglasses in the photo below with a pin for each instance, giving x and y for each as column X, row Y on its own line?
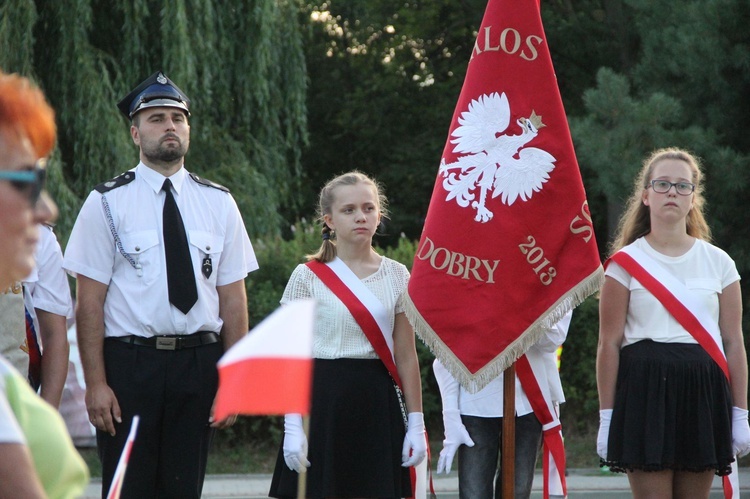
column 29, row 181
column 663, row 186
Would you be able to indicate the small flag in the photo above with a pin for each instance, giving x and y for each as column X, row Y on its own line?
column 122, row 464
column 270, row 370
column 731, row 483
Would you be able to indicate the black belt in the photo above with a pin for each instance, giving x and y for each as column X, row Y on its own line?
column 171, row 342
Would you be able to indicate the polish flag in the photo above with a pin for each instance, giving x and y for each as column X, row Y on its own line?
column 731, row 483
column 270, row 370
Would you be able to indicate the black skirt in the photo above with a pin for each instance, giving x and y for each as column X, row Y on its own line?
column 356, row 435
column 672, row 411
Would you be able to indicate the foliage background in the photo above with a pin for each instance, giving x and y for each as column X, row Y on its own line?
column 288, row 93
column 241, row 63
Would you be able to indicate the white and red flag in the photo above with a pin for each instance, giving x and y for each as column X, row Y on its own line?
column 115, row 488
column 508, row 244
column 270, row 370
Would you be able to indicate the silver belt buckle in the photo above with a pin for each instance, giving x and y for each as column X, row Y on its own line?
column 166, row 343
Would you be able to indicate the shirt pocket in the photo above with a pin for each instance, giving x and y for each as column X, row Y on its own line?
column 143, row 255
column 207, row 248
column 705, row 284
column 707, row 290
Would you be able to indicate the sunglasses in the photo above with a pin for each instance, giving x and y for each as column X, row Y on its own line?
column 29, row 181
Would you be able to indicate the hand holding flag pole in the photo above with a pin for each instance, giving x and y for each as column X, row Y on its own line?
column 277, row 351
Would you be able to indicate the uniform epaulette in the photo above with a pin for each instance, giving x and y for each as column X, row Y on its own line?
column 116, row 182
column 208, row 183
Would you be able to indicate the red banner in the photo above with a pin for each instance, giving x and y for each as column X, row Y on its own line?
column 508, row 245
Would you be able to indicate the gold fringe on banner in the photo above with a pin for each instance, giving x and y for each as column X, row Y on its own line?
column 475, row 382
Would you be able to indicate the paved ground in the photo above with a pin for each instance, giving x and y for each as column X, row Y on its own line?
column 582, row 484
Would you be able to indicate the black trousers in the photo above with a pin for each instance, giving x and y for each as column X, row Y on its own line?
column 172, row 392
column 356, row 435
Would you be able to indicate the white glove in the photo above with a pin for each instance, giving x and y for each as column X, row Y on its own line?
column 740, row 432
column 455, row 436
column 295, row 444
column 415, row 442
column 605, row 417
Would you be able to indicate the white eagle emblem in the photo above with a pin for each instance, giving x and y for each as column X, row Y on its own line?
column 494, row 162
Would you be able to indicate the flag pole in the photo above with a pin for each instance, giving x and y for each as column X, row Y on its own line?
column 115, row 487
column 508, row 461
column 302, row 477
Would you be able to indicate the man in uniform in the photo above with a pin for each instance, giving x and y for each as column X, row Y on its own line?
column 160, row 256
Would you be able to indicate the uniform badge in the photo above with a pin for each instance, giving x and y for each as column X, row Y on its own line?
column 207, row 267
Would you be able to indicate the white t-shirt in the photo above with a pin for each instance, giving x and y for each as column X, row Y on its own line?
column 336, row 334
column 46, row 288
column 705, row 269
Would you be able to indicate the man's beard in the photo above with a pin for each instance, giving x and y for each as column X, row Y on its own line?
column 161, row 154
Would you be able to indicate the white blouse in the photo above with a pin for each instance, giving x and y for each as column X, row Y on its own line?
column 336, row 334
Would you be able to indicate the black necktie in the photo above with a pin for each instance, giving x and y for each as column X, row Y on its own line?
column 180, row 274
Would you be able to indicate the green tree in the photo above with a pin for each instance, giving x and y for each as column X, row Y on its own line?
column 241, row 62
column 384, row 79
column 686, row 84
column 698, row 52
column 583, row 36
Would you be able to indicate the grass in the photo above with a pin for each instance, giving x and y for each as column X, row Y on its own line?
column 92, row 460
column 580, row 450
column 222, row 459
column 242, row 459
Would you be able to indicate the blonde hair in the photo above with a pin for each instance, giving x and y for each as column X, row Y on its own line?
column 327, row 250
column 636, row 221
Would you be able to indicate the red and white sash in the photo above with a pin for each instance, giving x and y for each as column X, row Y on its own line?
column 373, row 318
column 676, row 298
column 544, row 409
column 367, row 310
column 684, row 306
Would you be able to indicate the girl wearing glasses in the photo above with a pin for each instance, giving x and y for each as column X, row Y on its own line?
column 672, row 390
column 37, row 457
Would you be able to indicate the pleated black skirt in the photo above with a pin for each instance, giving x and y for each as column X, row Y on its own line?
column 672, row 411
column 356, row 435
